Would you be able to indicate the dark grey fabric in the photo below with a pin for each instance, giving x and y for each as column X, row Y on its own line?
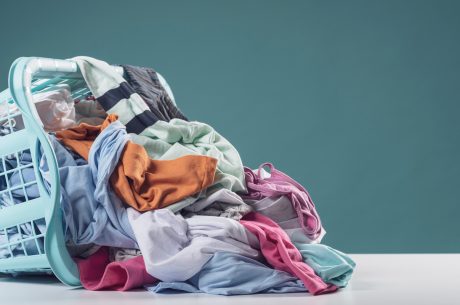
column 146, row 83
column 139, row 122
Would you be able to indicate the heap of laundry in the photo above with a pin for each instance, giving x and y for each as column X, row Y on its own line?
column 151, row 199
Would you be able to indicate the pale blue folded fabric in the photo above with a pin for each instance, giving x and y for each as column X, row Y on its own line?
column 92, row 211
column 233, row 274
column 333, row 266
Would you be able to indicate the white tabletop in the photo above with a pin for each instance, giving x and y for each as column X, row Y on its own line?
column 379, row 279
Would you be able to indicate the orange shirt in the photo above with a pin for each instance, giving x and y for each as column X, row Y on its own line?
column 139, row 181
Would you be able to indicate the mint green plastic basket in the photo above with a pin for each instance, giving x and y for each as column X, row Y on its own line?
column 35, row 251
column 29, row 75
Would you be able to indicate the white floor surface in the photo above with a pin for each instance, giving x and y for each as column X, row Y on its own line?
column 417, row 279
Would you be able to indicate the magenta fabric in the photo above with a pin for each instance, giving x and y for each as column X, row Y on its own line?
column 98, row 273
column 281, row 254
column 279, row 184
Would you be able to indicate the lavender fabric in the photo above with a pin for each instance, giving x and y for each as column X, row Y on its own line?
column 260, row 185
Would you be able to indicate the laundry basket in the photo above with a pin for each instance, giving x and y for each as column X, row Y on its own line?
column 31, row 229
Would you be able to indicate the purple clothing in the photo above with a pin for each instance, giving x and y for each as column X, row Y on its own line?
column 279, row 184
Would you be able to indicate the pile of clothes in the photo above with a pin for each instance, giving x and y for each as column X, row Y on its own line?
column 151, row 199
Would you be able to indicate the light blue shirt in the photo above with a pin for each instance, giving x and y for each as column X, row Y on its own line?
column 92, row 211
column 231, row 274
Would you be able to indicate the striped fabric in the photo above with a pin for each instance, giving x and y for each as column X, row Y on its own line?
column 147, row 84
column 115, row 95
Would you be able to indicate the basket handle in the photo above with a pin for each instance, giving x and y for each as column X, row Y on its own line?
column 39, row 67
column 25, row 69
column 21, row 74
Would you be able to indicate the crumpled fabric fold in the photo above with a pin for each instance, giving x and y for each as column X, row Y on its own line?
column 175, row 249
column 278, row 183
column 281, row 254
column 233, row 274
column 139, row 181
column 98, row 273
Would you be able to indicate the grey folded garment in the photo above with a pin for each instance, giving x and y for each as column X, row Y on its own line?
column 280, row 210
column 222, row 203
column 122, row 254
column 82, row 251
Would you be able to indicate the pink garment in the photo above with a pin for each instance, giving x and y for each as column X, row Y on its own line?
column 279, row 184
column 98, row 273
column 281, row 254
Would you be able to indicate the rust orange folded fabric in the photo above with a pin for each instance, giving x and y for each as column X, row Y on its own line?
column 139, row 181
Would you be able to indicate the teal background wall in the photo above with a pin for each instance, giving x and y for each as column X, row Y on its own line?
column 357, row 100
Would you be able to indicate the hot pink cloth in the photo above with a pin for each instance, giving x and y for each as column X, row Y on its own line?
column 281, row 254
column 98, row 273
